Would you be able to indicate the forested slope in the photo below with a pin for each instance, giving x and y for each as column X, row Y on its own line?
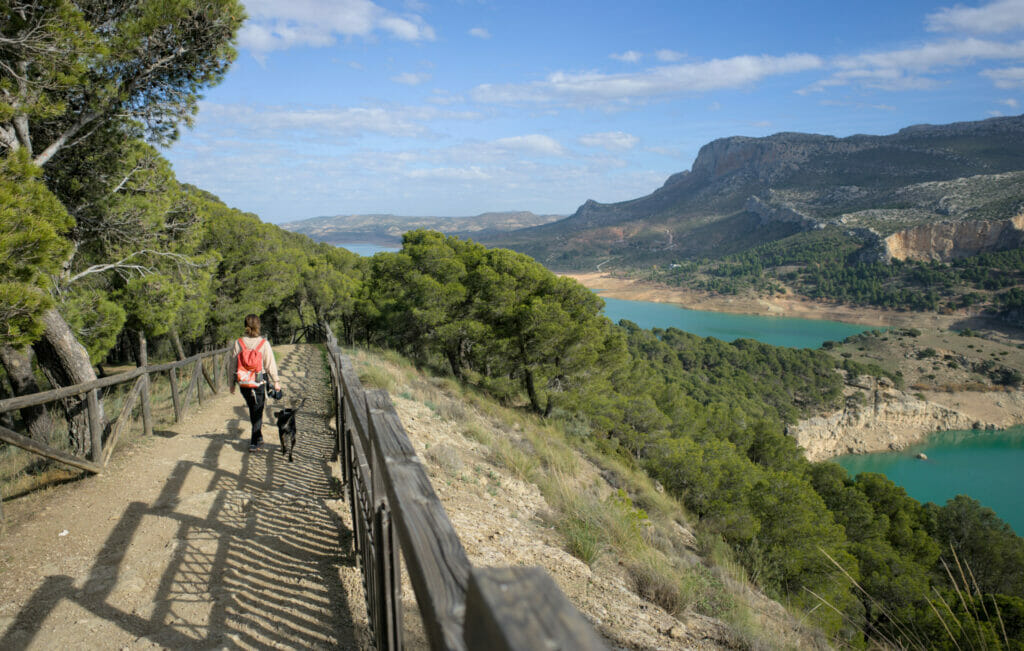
column 99, row 243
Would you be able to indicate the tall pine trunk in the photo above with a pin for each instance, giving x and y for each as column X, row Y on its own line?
column 176, row 340
column 65, row 362
column 531, row 391
column 455, row 362
column 18, row 364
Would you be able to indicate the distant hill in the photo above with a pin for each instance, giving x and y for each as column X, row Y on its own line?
column 388, row 229
column 967, row 178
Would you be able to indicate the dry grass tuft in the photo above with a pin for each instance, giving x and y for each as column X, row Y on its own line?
column 446, row 457
column 377, row 377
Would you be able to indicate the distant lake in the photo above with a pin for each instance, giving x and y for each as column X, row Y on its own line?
column 367, row 250
column 778, row 331
column 985, row 465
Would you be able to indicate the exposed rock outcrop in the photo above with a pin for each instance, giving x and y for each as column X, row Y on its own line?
column 766, row 157
column 888, row 420
column 769, row 213
column 945, row 241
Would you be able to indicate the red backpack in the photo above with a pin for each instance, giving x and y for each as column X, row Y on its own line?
column 250, row 365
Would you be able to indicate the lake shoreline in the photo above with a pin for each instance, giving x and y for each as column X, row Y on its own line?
column 783, row 306
column 895, row 420
column 898, row 419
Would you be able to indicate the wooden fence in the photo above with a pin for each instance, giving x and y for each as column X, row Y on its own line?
column 397, row 515
column 104, row 436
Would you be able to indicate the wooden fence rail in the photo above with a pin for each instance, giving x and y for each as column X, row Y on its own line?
column 103, row 436
column 396, row 516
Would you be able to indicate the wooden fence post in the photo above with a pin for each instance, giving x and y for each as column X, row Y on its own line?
column 228, row 378
column 216, row 373
column 212, row 382
column 173, row 375
column 199, row 383
column 147, row 410
column 187, row 393
column 95, row 426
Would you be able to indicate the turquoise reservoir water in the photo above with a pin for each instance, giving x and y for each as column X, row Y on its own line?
column 778, row 331
column 988, row 466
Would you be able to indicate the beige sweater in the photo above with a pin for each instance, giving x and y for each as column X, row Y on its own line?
column 269, row 363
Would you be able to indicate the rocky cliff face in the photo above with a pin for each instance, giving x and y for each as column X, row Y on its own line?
column 889, row 420
column 743, row 192
column 945, row 241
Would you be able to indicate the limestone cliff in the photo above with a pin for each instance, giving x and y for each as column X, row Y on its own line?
column 945, row 241
column 888, row 420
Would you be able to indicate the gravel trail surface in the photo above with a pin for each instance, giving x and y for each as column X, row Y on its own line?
column 188, row 540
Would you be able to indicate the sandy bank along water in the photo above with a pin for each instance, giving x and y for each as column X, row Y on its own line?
column 787, row 305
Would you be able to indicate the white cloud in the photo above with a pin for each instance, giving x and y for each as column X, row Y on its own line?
column 347, row 122
column 275, row 25
column 669, row 56
column 629, row 56
column 472, row 173
column 533, row 143
column 610, row 140
column 1012, row 103
column 994, row 18
column 281, row 179
column 1006, row 77
column 411, row 78
column 408, row 28
column 689, row 78
column 480, row 32
column 954, row 52
column 882, row 79
column 906, row 69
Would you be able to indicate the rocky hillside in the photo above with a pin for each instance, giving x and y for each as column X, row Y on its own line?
column 388, row 229
column 742, row 192
column 953, row 381
column 518, row 493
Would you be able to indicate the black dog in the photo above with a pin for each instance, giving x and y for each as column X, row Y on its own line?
column 286, row 428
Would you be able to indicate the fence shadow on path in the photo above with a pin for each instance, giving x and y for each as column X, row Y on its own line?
column 239, row 549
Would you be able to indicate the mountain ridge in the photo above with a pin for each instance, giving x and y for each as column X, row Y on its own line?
column 379, row 228
column 817, row 180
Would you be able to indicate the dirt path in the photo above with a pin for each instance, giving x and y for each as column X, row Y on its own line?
column 189, row 541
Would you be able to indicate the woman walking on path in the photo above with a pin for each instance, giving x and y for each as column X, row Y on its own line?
column 253, row 363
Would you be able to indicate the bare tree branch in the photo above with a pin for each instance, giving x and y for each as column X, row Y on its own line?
column 140, row 269
column 59, row 142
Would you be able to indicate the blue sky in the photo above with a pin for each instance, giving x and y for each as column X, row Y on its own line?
column 457, row 107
